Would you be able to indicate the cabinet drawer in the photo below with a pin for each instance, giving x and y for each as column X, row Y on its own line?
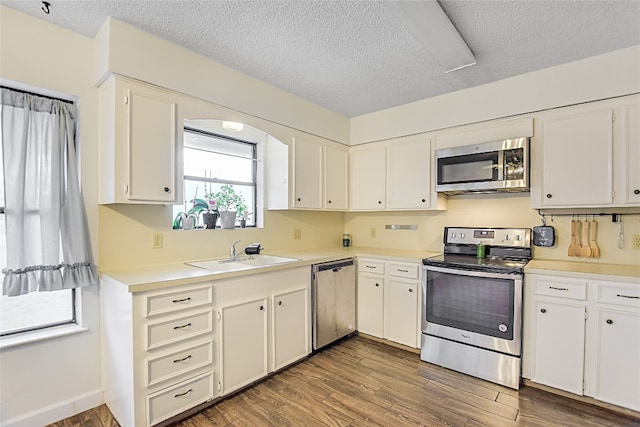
column 179, row 362
column 174, row 400
column 561, row 288
column 409, row 271
column 620, row 295
column 371, row 266
column 178, row 329
column 168, row 302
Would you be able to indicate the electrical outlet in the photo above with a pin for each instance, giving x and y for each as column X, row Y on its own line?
column 297, row 234
column 157, row 241
column 373, row 232
column 635, row 242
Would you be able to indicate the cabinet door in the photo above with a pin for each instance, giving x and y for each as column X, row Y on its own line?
column 577, row 159
column 401, row 312
column 370, row 305
column 618, row 360
column 243, row 343
column 307, row 181
column 367, row 178
column 290, row 327
column 152, row 137
column 335, row 178
column 559, row 345
column 409, row 174
column 630, row 193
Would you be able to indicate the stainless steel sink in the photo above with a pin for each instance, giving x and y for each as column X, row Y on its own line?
column 240, row 263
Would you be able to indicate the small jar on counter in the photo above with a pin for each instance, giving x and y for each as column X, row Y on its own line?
column 480, row 250
column 346, row 240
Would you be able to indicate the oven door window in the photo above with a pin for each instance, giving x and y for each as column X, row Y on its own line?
column 480, row 167
column 475, row 304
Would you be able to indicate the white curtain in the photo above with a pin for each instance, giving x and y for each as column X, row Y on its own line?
column 48, row 245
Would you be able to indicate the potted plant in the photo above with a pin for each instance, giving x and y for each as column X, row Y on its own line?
column 227, row 203
column 243, row 215
column 188, row 219
column 210, row 216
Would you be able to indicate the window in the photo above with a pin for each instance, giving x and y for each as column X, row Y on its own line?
column 36, row 310
column 212, row 160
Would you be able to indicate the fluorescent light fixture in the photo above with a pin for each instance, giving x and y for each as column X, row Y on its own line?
column 232, row 126
column 431, row 27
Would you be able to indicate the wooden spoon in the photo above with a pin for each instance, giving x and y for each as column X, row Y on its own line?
column 572, row 251
column 595, row 250
column 586, row 250
column 577, row 246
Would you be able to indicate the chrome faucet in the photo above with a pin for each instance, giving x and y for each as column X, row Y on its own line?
column 232, row 251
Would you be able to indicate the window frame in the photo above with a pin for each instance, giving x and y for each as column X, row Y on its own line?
column 254, row 169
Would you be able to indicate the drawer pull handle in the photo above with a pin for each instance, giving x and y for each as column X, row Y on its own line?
column 558, row 289
column 182, row 300
column 370, row 266
column 182, row 360
column 184, row 394
column 628, row 296
column 183, row 326
column 403, row 271
column 543, row 310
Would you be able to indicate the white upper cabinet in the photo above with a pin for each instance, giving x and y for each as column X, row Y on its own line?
column 336, row 167
column 627, row 156
column 367, row 178
column 587, row 156
column 575, row 158
column 409, row 174
column 394, row 175
column 307, row 175
column 140, row 139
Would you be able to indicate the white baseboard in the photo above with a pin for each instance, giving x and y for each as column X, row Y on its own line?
column 58, row 411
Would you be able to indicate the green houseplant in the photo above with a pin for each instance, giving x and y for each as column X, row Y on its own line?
column 229, row 204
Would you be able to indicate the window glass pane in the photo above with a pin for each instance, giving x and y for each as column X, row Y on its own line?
column 218, row 145
column 217, row 166
column 35, row 310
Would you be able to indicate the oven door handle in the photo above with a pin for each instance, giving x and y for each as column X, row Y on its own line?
column 472, row 273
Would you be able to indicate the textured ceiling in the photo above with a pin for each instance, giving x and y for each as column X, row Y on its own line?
column 353, row 57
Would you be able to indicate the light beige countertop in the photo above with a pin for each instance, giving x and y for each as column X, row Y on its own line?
column 148, row 277
column 596, row 271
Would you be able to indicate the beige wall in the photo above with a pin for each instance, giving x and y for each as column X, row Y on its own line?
column 484, row 210
column 61, row 374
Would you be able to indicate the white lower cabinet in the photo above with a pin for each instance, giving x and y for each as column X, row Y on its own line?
column 243, row 343
column 582, row 335
column 559, row 343
column 388, row 300
column 169, row 350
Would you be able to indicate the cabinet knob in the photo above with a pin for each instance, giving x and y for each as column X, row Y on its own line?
column 549, row 196
column 329, row 201
column 279, row 302
column 379, row 202
column 410, row 290
column 261, row 307
column 609, row 321
column 424, row 200
column 166, row 189
column 543, row 310
column 377, row 284
column 299, row 199
column 636, row 191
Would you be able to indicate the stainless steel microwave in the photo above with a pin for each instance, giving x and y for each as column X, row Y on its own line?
column 500, row 166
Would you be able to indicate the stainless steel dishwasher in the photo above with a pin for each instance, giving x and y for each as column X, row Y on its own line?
column 333, row 299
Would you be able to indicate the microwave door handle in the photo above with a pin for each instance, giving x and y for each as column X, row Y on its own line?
column 500, row 165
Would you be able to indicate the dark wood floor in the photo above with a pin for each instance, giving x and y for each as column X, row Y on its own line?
column 365, row 383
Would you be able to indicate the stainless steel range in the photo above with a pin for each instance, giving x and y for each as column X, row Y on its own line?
column 472, row 302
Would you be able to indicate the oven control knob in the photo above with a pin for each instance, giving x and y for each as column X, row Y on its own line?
column 507, row 237
column 452, row 235
column 462, row 235
column 518, row 237
column 502, row 327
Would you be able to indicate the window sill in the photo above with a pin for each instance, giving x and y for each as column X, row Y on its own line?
column 41, row 335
